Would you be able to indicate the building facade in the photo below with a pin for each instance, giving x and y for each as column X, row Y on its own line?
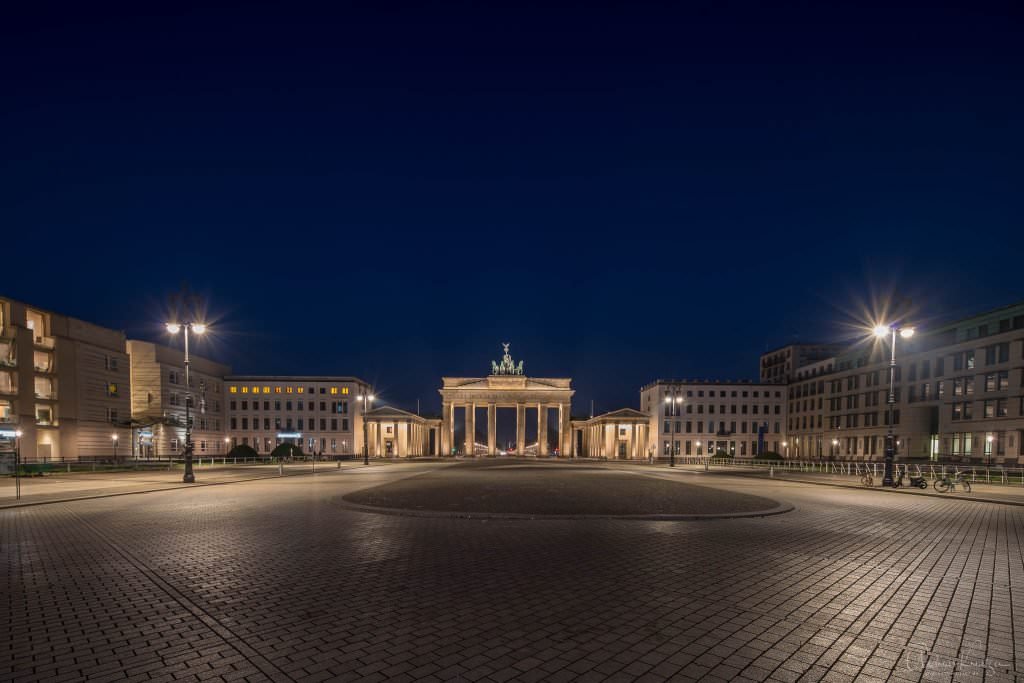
column 780, row 366
column 158, row 397
column 64, row 383
column 321, row 415
column 710, row 417
column 618, row 435
column 959, row 396
column 395, row 433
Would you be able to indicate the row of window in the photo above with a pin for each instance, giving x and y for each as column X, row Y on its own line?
column 288, row 425
column 676, row 409
column 286, row 390
column 178, row 377
column 339, row 407
column 267, row 444
column 713, row 448
column 754, row 427
column 722, row 393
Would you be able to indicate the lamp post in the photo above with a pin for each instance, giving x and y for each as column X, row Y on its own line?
column 988, row 450
column 835, row 443
column 17, row 464
column 113, row 441
column 883, row 331
column 365, row 397
column 785, row 449
column 195, row 328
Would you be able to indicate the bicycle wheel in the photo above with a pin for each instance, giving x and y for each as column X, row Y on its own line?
column 867, row 480
column 967, row 486
column 941, row 485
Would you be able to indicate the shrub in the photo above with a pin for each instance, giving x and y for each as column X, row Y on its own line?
column 770, row 455
column 243, row 451
column 286, row 450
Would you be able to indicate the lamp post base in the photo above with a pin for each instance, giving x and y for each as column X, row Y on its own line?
column 887, row 478
column 190, row 476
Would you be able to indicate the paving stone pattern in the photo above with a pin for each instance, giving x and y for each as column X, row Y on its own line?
column 275, row 579
column 488, row 487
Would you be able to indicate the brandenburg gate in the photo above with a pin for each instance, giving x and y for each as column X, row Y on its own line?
column 506, row 387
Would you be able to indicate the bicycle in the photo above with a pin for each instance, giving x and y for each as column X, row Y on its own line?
column 866, row 479
column 949, row 482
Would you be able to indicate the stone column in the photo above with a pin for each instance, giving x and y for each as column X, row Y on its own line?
column 631, row 449
column 492, row 428
column 444, row 436
column 542, row 429
column 470, row 428
column 565, row 430
column 520, row 429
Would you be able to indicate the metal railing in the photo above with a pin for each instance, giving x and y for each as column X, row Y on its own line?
column 975, row 474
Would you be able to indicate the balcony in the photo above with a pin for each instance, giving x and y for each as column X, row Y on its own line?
column 7, row 357
column 45, row 416
column 44, row 389
column 42, row 361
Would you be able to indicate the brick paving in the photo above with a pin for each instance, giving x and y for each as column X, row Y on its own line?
column 276, row 579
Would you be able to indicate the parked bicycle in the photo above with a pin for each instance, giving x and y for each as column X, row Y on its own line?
column 949, row 482
column 867, row 479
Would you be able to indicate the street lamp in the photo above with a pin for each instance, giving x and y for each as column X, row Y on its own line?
column 365, row 397
column 785, row 446
column 195, row 328
column 883, row 331
column 835, row 443
column 988, row 454
column 113, row 441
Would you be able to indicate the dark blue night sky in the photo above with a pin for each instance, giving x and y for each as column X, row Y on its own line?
column 622, row 191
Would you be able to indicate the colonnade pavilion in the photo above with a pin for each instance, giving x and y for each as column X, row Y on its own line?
column 391, row 432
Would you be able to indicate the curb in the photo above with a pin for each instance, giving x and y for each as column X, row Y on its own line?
column 877, row 489
column 779, row 509
column 12, row 506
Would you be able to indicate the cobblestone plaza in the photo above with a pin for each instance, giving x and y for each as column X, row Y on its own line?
column 283, row 579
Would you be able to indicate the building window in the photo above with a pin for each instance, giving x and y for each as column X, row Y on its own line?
column 174, row 445
column 112, row 389
column 344, row 424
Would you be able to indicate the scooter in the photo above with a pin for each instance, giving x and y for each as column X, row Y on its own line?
column 919, row 482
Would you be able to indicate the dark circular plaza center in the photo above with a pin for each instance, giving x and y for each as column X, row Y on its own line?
column 517, row 488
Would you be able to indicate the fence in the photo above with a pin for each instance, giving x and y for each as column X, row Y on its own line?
column 931, row 471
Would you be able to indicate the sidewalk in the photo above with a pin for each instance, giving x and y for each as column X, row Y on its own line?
column 982, row 492
column 59, row 486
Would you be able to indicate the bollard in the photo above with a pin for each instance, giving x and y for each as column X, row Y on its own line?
column 771, row 471
column 69, row 468
column 280, row 469
column 339, row 464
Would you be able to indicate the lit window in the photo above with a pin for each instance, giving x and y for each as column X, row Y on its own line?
column 288, row 390
column 245, row 390
column 344, row 390
column 266, row 390
column 299, row 390
column 255, row 390
column 277, row 390
column 232, row 390
column 334, row 390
